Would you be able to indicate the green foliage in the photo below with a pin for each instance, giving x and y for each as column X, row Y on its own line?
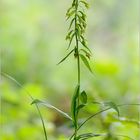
column 28, row 55
column 74, row 105
column 36, row 101
column 77, row 29
column 83, row 97
column 88, row 135
column 66, row 56
column 112, row 105
column 84, row 59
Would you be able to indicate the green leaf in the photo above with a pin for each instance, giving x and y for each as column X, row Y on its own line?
column 109, row 104
column 69, row 10
column 83, row 15
column 79, row 26
column 26, row 91
column 86, row 53
column 83, row 97
column 74, row 103
column 70, row 14
column 88, row 135
column 73, row 3
column 94, row 102
column 81, row 20
column 36, row 101
column 80, row 29
column 65, row 57
column 84, row 59
column 80, row 107
column 85, row 3
column 113, row 106
column 69, row 34
column 71, row 23
column 71, row 40
column 83, row 42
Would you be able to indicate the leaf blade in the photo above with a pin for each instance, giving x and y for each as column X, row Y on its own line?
column 80, row 107
column 113, row 106
column 84, row 59
column 65, row 57
column 74, row 103
column 85, row 3
column 83, row 97
column 36, row 101
column 89, row 135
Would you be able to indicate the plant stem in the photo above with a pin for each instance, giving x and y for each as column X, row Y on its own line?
column 77, row 44
column 36, row 105
column 78, row 62
column 119, row 105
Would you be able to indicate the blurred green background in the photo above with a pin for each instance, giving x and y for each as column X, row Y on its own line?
column 32, row 41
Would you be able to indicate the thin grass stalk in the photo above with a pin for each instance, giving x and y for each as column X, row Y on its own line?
column 26, row 91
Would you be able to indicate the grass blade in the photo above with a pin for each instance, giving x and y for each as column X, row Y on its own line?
column 43, row 124
column 65, row 57
column 101, row 111
column 85, row 3
column 89, row 135
column 113, row 106
column 36, row 101
column 20, row 85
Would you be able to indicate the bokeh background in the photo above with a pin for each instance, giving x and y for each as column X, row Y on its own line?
column 32, row 41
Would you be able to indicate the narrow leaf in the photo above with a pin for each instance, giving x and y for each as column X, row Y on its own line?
column 88, row 135
column 83, row 42
column 83, row 15
column 71, row 40
column 70, row 14
column 81, row 20
column 65, row 57
column 80, row 107
column 74, row 103
column 71, row 22
column 112, row 105
column 68, row 11
column 86, row 53
column 84, row 59
column 95, row 102
column 26, row 91
column 80, row 26
column 69, row 34
column 36, row 101
column 85, row 3
column 73, row 3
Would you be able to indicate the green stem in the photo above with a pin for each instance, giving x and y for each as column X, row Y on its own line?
column 90, row 117
column 78, row 62
column 36, row 105
column 77, row 44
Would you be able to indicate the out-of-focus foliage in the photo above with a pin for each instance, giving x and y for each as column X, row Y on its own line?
column 32, row 42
